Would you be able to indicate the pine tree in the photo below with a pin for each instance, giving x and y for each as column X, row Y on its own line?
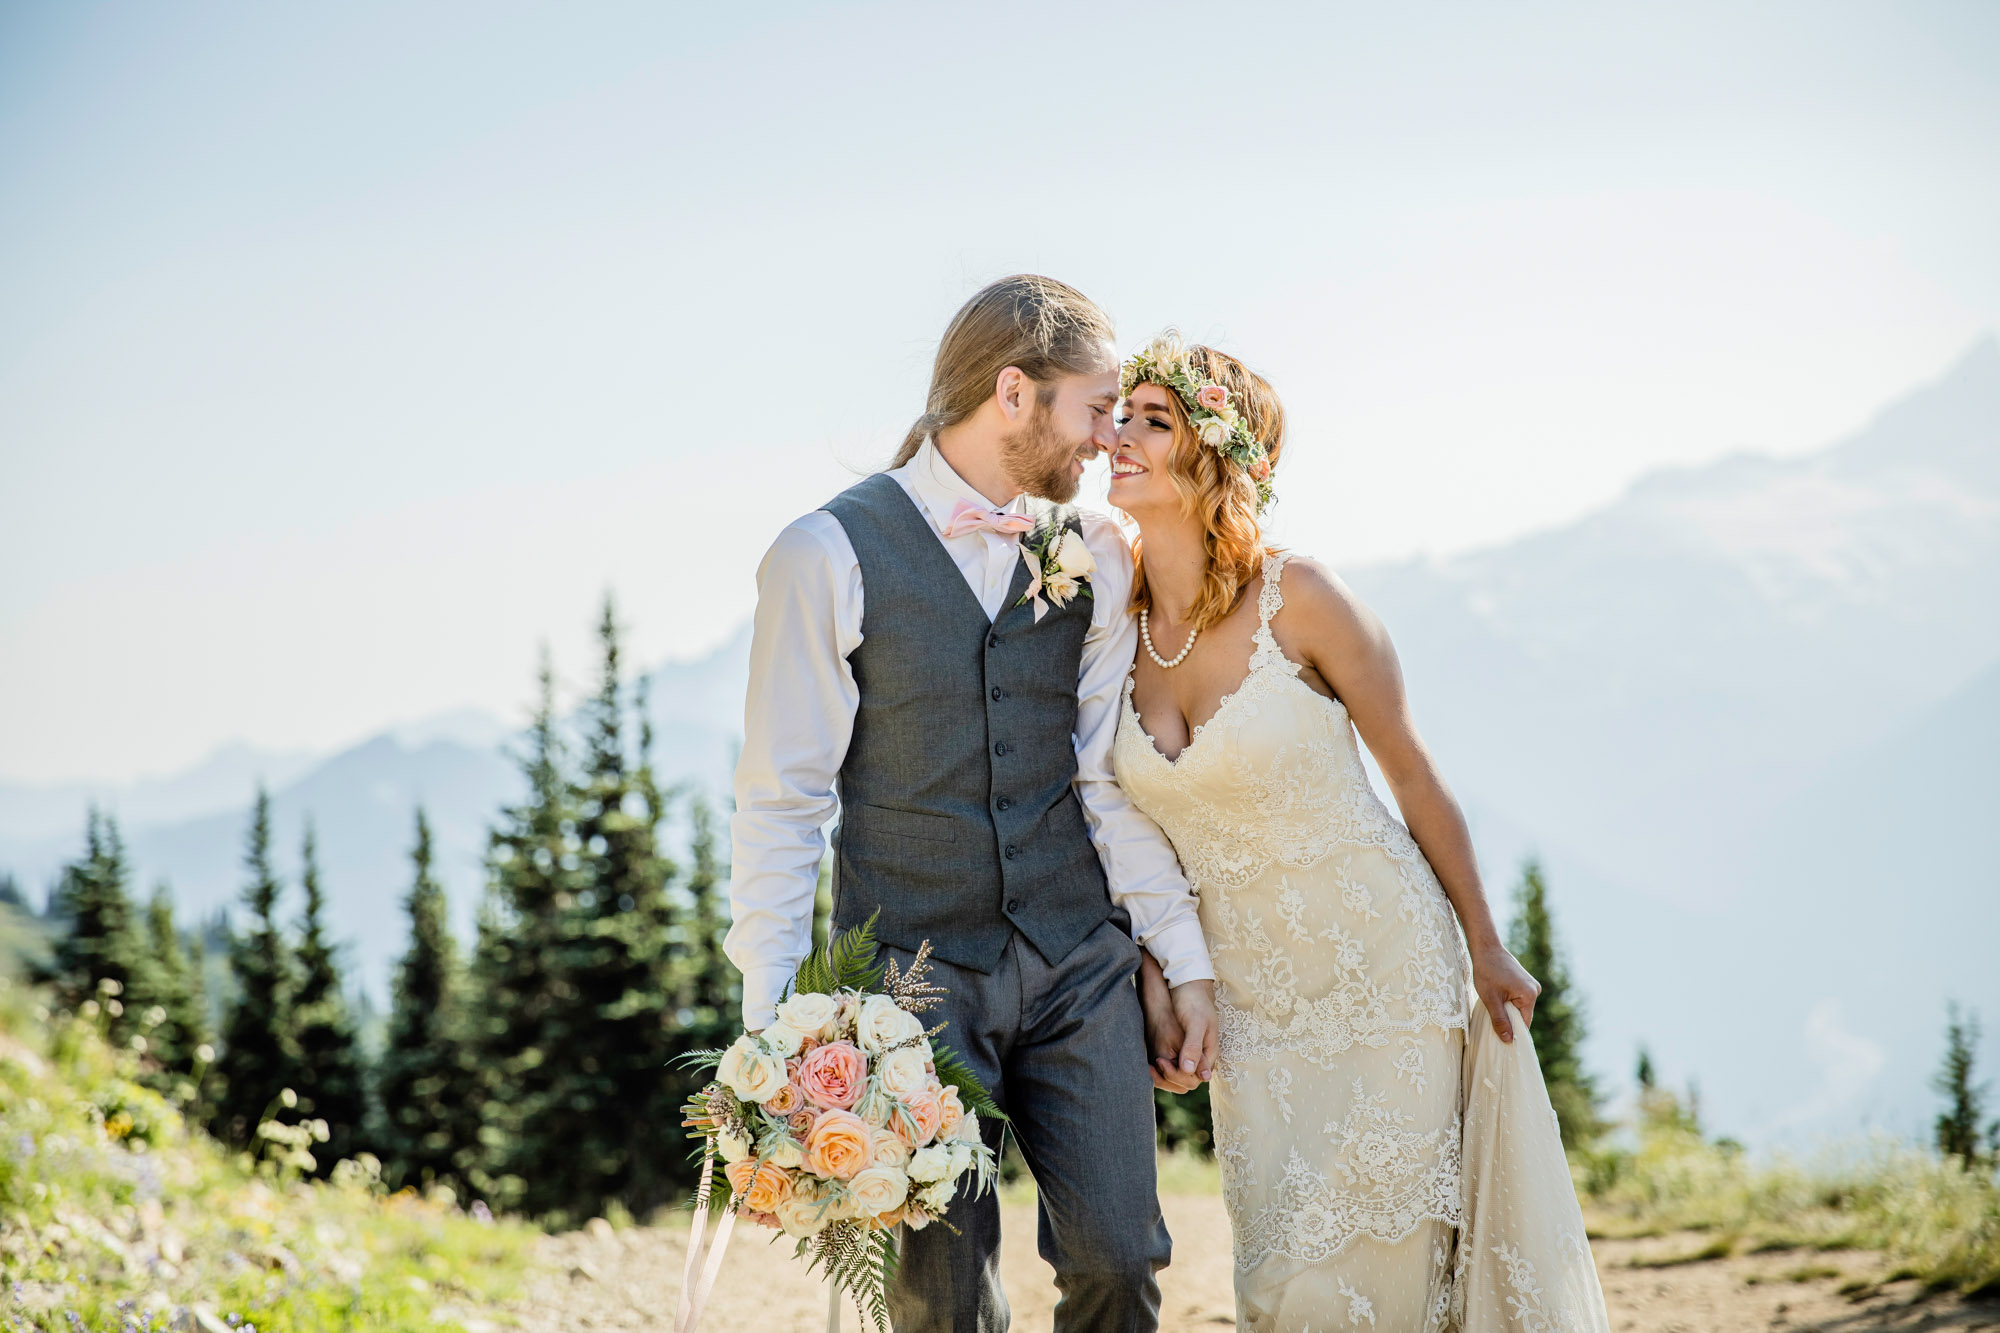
column 533, row 876
column 260, row 1053
column 10, row 892
column 167, row 996
column 608, row 1039
column 1958, row 1129
column 100, row 947
column 1559, row 1021
column 329, row 1081
column 428, row 1093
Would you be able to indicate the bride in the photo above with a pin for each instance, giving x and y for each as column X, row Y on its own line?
column 1389, row 1157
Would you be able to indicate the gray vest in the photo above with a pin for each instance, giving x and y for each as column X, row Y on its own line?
column 958, row 819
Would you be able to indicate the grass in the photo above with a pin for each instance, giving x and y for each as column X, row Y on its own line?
column 1938, row 1222
column 117, row 1217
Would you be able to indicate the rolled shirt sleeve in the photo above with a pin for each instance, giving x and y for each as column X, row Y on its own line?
column 1139, row 863
column 798, row 719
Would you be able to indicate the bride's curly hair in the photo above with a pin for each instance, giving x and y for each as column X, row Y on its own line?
column 1218, row 492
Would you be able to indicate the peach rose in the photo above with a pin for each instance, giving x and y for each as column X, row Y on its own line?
column 834, row 1075
column 785, row 1101
column 954, row 1113
column 740, row 1174
column 1214, row 397
column 839, row 1146
column 801, row 1122
column 768, row 1188
column 928, row 1111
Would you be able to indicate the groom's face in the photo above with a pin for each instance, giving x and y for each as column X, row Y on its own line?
column 1068, row 424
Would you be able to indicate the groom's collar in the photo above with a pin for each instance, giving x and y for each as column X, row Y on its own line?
column 937, row 488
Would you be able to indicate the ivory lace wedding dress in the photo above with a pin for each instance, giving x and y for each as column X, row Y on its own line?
column 1380, row 1172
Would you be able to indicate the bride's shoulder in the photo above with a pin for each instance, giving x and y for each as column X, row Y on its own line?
column 1318, row 602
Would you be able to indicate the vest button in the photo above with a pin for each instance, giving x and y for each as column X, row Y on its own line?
column 999, row 747
column 1013, row 904
column 999, row 693
column 1012, row 851
column 993, row 641
column 1004, row 803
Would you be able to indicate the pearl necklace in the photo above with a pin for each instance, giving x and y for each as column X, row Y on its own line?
column 1146, row 637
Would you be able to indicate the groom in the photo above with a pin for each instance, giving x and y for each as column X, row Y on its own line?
column 908, row 657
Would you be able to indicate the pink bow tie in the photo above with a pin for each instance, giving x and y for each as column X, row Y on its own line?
column 968, row 517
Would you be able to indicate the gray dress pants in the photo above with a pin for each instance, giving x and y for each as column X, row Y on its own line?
column 1063, row 1051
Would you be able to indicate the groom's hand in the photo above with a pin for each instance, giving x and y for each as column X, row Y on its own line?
column 1164, row 1035
column 1201, row 1033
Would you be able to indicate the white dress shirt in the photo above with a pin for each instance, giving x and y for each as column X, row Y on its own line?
column 799, row 718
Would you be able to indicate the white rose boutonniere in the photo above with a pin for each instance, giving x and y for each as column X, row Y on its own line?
column 1059, row 568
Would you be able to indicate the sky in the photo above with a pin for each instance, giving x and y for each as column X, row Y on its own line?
column 349, row 353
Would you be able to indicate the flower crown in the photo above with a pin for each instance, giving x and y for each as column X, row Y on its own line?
column 1217, row 423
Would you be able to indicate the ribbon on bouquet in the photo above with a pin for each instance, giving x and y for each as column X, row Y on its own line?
column 698, row 1274
column 695, row 1289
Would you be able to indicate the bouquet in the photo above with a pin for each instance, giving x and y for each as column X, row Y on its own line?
column 840, row 1121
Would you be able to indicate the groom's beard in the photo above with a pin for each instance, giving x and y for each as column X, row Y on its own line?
column 1039, row 459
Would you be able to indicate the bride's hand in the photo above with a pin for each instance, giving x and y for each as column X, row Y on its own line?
column 1164, row 1035
column 1501, row 980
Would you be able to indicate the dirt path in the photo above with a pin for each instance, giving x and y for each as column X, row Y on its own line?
column 601, row 1279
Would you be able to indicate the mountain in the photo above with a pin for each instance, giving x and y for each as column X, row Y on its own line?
column 1744, row 713
column 361, row 801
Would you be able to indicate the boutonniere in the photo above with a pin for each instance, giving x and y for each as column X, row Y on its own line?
column 1059, row 567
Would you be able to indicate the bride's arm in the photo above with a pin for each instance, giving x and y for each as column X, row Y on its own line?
column 1325, row 626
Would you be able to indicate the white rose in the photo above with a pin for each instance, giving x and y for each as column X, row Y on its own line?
column 800, row 1215
column 904, row 1072
column 968, row 1129
column 882, row 1024
column 787, row 1154
column 1060, row 588
column 928, row 1165
column 732, row 1148
column 1214, row 432
column 1073, row 558
column 961, row 1158
column 879, row 1190
column 937, row 1197
column 783, row 1039
column 844, row 1207
column 750, row 1071
column 809, row 1014
column 889, row 1149
column 1164, row 351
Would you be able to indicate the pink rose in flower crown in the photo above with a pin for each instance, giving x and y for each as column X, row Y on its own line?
column 839, row 1146
column 1214, row 397
column 785, row 1101
column 834, row 1075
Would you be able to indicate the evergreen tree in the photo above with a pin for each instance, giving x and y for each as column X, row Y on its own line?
column 1958, row 1129
column 611, row 1098
column 99, row 948
column 429, row 1097
column 329, row 1078
column 10, row 892
column 260, row 1052
column 534, row 873
column 167, row 995
column 1559, row 1022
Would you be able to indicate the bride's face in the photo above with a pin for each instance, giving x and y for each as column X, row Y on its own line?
column 1139, row 478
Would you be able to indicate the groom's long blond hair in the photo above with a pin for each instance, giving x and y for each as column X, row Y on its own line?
column 1043, row 328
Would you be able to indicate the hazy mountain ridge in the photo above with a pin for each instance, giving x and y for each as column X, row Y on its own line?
column 1746, row 712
